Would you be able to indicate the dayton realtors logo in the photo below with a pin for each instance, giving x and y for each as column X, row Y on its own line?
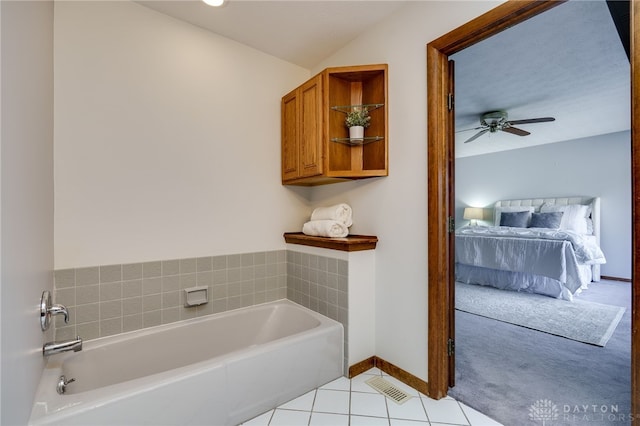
column 595, row 413
column 545, row 410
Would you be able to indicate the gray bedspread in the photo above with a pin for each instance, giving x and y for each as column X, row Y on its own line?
column 551, row 262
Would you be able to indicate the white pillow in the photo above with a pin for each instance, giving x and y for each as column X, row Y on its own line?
column 499, row 210
column 574, row 217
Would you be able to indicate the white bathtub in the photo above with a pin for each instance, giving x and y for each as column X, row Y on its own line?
column 221, row 369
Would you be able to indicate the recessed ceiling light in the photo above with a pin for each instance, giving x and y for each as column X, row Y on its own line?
column 214, row 3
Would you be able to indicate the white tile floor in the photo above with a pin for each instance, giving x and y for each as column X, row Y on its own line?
column 345, row 402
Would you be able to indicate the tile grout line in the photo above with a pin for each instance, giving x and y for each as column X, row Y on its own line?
column 464, row 413
column 350, row 390
column 424, row 408
column 386, row 407
column 313, row 404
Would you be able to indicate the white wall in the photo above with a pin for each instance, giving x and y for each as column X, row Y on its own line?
column 596, row 166
column 149, row 164
column 395, row 208
column 26, row 194
column 167, row 140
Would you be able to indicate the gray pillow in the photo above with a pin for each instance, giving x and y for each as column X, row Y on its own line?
column 515, row 219
column 546, row 220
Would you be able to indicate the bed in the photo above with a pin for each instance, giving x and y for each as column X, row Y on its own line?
column 548, row 246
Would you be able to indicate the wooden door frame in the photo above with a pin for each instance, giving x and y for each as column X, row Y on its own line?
column 440, row 190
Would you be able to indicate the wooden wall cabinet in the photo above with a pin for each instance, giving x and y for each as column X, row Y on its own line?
column 316, row 148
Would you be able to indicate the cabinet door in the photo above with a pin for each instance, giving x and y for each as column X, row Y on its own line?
column 290, row 137
column 310, row 105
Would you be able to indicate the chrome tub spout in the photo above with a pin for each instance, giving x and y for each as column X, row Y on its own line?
column 52, row 348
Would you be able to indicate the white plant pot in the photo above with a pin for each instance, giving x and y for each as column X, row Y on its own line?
column 356, row 133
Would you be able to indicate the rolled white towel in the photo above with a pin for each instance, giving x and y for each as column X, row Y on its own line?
column 325, row 228
column 340, row 212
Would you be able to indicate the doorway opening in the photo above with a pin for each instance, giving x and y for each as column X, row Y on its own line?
column 440, row 185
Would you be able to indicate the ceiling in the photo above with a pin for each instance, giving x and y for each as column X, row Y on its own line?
column 303, row 32
column 567, row 63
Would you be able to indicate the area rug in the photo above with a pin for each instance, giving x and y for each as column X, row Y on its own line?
column 579, row 320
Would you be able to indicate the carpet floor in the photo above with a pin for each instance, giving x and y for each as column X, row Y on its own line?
column 506, row 371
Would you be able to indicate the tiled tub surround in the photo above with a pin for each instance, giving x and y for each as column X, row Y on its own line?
column 112, row 299
column 321, row 284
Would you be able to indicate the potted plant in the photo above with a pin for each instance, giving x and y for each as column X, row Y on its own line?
column 356, row 121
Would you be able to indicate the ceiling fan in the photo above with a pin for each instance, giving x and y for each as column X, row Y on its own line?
column 499, row 120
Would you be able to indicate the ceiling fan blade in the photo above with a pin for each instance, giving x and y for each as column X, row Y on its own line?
column 532, row 120
column 477, row 135
column 473, row 128
column 515, row 131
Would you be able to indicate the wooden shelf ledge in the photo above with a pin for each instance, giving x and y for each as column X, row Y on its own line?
column 348, row 243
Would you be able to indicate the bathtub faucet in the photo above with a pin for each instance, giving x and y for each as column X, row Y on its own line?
column 52, row 348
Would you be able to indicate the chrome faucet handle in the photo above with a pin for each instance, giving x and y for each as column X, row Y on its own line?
column 47, row 309
column 61, row 387
column 45, row 316
column 59, row 309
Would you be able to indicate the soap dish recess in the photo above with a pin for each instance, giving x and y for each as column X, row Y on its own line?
column 195, row 296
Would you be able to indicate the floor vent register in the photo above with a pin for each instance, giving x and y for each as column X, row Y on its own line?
column 388, row 390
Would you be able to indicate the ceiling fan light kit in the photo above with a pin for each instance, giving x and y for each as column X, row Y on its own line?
column 493, row 121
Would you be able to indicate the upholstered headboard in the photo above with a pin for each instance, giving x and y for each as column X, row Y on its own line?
column 594, row 202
